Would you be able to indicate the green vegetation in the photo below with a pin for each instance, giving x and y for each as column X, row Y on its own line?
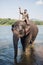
column 38, row 22
column 9, row 21
column 6, row 21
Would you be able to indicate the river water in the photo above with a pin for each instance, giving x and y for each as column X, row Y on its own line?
column 35, row 56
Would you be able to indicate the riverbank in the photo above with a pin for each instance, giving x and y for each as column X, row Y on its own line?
column 9, row 21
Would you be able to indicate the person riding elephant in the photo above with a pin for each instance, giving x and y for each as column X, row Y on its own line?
column 25, row 16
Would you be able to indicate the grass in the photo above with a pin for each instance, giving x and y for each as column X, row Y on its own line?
column 9, row 21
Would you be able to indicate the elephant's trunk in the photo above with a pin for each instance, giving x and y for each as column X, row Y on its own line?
column 15, row 43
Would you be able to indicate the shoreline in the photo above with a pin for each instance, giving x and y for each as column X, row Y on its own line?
column 5, row 25
column 10, row 25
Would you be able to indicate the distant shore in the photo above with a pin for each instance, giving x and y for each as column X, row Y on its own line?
column 9, row 21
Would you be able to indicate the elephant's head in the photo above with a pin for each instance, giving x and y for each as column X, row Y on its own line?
column 19, row 30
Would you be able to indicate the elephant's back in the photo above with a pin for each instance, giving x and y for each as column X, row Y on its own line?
column 33, row 26
column 34, row 30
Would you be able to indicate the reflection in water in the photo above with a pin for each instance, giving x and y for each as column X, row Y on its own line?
column 34, row 55
column 28, row 59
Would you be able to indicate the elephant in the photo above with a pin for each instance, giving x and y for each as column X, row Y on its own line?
column 27, row 34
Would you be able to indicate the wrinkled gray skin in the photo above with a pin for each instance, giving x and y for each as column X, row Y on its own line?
column 18, row 29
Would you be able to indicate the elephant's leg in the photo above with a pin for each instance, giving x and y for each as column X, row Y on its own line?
column 33, row 38
column 34, row 35
column 30, row 38
column 23, row 44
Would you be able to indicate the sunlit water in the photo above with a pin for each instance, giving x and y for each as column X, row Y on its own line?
column 35, row 56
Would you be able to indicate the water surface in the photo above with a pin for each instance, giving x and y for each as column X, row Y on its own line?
column 35, row 56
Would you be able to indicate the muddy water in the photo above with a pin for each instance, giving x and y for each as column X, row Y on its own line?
column 34, row 55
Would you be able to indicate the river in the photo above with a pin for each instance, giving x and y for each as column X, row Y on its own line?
column 35, row 56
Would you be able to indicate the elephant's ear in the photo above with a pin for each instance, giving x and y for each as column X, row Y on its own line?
column 12, row 27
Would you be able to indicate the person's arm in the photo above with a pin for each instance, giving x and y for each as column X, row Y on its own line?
column 27, row 16
column 20, row 11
